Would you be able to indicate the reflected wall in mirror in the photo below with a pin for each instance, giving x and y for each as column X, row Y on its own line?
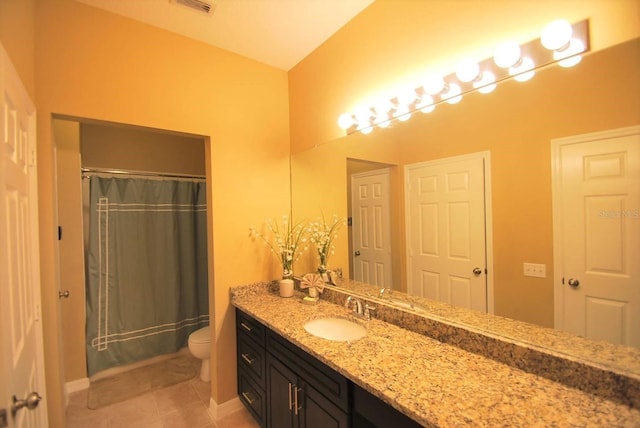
column 515, row 124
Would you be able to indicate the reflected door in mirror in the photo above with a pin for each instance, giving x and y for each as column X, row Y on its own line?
column 446, row 231
column 371, row 227
column 598, row 184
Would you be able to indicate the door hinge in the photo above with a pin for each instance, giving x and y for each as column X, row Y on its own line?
column 33, row 158
column 59, row 233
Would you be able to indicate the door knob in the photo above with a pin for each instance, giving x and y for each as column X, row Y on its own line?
column 31, row 402
column 357, row 253
column 477, row 271
column 63, row 294
column 573, row 282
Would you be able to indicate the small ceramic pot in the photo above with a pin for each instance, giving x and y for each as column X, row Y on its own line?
column 286, row 287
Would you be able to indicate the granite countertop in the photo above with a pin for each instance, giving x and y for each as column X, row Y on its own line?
column 434, row 383
column 623, row 360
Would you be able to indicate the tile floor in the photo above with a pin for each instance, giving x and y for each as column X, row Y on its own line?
column 183, row 405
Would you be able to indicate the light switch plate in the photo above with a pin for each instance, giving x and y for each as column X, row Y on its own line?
column 535, row 269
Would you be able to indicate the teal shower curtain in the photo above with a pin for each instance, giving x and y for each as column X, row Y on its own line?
column 147, row 268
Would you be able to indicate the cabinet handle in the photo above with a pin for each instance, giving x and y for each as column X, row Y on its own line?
column 245, row 326
column 247, row 358
column 248, row 398
column 296, row 408
column 290, row 401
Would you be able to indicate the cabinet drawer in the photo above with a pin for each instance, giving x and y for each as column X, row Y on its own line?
column 324, row 379
column 252, row 358
column 252, row 396
column 249, row 326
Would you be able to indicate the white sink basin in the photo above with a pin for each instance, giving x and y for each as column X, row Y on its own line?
column 338, row 329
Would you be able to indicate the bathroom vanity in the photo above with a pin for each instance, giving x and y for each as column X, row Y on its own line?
column 283, row 386
column 394, row 376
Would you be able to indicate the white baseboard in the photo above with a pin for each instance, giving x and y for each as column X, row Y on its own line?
column 219, row 411
column 74, row 386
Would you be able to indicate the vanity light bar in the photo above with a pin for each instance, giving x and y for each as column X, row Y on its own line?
column 561, row 42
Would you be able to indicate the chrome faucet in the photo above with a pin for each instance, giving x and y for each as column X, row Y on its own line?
column 357, row 304
column 384, row 291
column 359, row 310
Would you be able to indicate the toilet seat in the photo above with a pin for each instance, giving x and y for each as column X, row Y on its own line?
column 200, row 336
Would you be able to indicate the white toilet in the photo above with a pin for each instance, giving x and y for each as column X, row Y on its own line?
column 200, row 347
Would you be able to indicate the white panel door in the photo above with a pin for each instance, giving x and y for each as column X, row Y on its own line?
column 597, row 227
column 446, row 231
column 371, row 227
column 21, row 355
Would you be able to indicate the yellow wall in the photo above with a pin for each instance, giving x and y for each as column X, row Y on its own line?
column 17, row 34
column 92, row 64
column 397, row 42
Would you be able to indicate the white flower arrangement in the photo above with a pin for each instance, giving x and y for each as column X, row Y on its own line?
column 286, row 240
column 322, row 234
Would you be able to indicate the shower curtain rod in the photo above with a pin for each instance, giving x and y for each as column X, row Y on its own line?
column 86, row 173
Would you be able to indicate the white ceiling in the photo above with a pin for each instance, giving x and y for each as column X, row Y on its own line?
column 279, row 33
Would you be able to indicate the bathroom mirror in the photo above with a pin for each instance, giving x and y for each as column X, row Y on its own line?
column 515, row 125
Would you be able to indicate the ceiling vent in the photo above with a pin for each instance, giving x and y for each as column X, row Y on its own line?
column 204, row 7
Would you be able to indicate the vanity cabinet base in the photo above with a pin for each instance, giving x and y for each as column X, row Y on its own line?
column 285, row 387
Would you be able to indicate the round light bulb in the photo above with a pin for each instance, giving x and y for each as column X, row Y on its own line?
column 556, row 34
column 366, row 130
column 402, row 112
column 407, row 96
column 382, row 109
column 382, row 106
column 345, row 121
column 486, row 84
column 428, row 109
column 570, row 53
column 467, row 71
column 425, row 105
column 363, row 114
column 433, row 84
column 570, row 62
column 384, row 123
column 524, row 71
column 452, row 96
column 381, row 118
column 523, row 77
column 507, row 54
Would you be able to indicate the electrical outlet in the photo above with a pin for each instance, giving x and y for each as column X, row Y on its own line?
column 535, row 269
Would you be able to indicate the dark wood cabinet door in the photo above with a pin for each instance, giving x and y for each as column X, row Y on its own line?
column 318, row 412
column 281, row 384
